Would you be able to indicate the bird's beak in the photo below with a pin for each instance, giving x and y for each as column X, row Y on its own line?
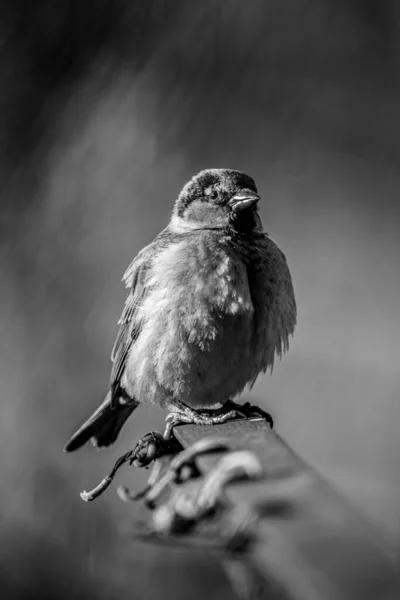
column 243, row 200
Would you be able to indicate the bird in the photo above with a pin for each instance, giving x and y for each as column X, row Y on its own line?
column 210, row 304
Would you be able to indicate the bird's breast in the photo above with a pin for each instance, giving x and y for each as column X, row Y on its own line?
column 196, row 341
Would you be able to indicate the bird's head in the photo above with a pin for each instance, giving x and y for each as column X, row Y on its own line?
column 218, row 198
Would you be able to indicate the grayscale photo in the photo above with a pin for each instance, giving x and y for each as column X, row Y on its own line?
column 199, row 266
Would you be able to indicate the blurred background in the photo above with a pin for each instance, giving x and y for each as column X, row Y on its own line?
column 106, row 109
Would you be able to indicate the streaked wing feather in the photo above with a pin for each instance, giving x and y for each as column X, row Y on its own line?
column 129, row 323
column 136, row 279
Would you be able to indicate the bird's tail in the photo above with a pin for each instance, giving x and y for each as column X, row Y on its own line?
column 103, row 427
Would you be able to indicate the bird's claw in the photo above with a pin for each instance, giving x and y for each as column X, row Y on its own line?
column 252, row 411
column 182, row 417
column 186, row 415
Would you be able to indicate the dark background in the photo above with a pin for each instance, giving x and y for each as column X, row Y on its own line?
column 106, row 109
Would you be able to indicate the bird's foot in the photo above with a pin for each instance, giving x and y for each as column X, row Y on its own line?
column 182, row 414
column 250, row 411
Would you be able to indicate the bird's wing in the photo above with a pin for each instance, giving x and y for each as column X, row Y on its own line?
column 136, row 279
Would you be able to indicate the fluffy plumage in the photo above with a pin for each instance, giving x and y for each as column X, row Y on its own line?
column 210, row 304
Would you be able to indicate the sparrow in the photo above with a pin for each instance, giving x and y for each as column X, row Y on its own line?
column 210, row 304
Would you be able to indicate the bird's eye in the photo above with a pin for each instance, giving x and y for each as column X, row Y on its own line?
column 214, row 195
